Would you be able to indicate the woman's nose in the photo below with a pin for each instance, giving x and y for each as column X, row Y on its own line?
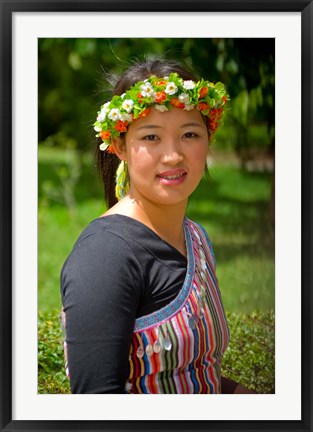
column 172, row 153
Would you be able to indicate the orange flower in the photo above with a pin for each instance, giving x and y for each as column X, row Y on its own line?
column 176, row 103
column 203, row 92
column 145, row 112
column 160, row 97
column 213, row 125
column 216, row 113
column 225, row 99
column 105, row 135
column 121, row 126
column 160, row 82
column 110, row 149
column 203, row 106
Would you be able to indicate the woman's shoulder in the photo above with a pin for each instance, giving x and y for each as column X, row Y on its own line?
column 112, row 230
column 202, row 236
column 196, row 227
column 97, row 251
column 104, row 240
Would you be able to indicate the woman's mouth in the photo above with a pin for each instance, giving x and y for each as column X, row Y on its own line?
column 174, row 177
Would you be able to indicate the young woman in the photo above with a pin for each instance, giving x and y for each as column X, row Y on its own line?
column 141, row 303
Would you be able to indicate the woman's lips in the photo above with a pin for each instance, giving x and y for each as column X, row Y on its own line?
column 173, row 177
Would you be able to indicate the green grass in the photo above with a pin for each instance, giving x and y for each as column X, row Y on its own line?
column 249, row 358
column 51, row 372
column 58, row 231
column 233, row 207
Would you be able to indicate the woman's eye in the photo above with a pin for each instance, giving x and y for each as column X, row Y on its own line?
column 150, row 137
column 191, row 135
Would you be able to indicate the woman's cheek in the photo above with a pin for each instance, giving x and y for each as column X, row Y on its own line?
column 140, row 165
column 200, row 158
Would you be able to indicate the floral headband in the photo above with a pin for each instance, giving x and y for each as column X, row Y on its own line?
column 163, row 94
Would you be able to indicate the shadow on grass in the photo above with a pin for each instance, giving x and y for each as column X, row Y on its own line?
column 239, row 221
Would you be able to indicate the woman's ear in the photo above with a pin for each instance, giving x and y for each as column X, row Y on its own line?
column 119, row 148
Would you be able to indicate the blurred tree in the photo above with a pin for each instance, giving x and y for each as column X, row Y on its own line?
column 72, row 87
column 248, row 68
column 73, row 84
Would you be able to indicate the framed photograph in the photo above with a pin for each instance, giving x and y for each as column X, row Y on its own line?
column 23, row 25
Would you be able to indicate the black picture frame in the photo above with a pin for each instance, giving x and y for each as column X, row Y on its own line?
column 7, row 9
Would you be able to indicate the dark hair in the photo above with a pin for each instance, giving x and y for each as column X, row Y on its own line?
column 107, row 163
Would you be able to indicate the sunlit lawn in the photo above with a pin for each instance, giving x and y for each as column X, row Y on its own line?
column 233, row 207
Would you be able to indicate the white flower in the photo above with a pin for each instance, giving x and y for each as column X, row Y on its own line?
column 189, row 84
column 171, row 88
column 105, row 107
column 101, row 117
column 103, row 146
column 189, row 107
column 97, row 128
column 126, row 117
column 127, row 105
column 123, row 95
column 166, row 78
column 184, row 97
column 114, row 114
column 147, row 90
column 160, row 108
column 103, row 113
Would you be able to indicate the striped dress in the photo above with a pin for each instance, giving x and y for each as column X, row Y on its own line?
column 179, row 348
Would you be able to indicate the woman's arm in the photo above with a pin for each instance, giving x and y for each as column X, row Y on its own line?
column 100, row 294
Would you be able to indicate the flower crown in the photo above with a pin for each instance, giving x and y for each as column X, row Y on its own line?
column 165, row 93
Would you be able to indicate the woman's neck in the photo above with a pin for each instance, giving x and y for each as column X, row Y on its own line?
column 166, row 221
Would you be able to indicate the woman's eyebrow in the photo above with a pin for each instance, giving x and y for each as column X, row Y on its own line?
column 152, row 126
column 192, row 124
column 149, row 127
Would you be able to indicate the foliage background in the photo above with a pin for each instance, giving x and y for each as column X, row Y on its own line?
column 236, row 206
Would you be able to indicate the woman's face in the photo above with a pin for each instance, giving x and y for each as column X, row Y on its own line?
column 166, row 154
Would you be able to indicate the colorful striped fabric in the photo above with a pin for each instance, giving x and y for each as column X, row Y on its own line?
column 179, row 348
